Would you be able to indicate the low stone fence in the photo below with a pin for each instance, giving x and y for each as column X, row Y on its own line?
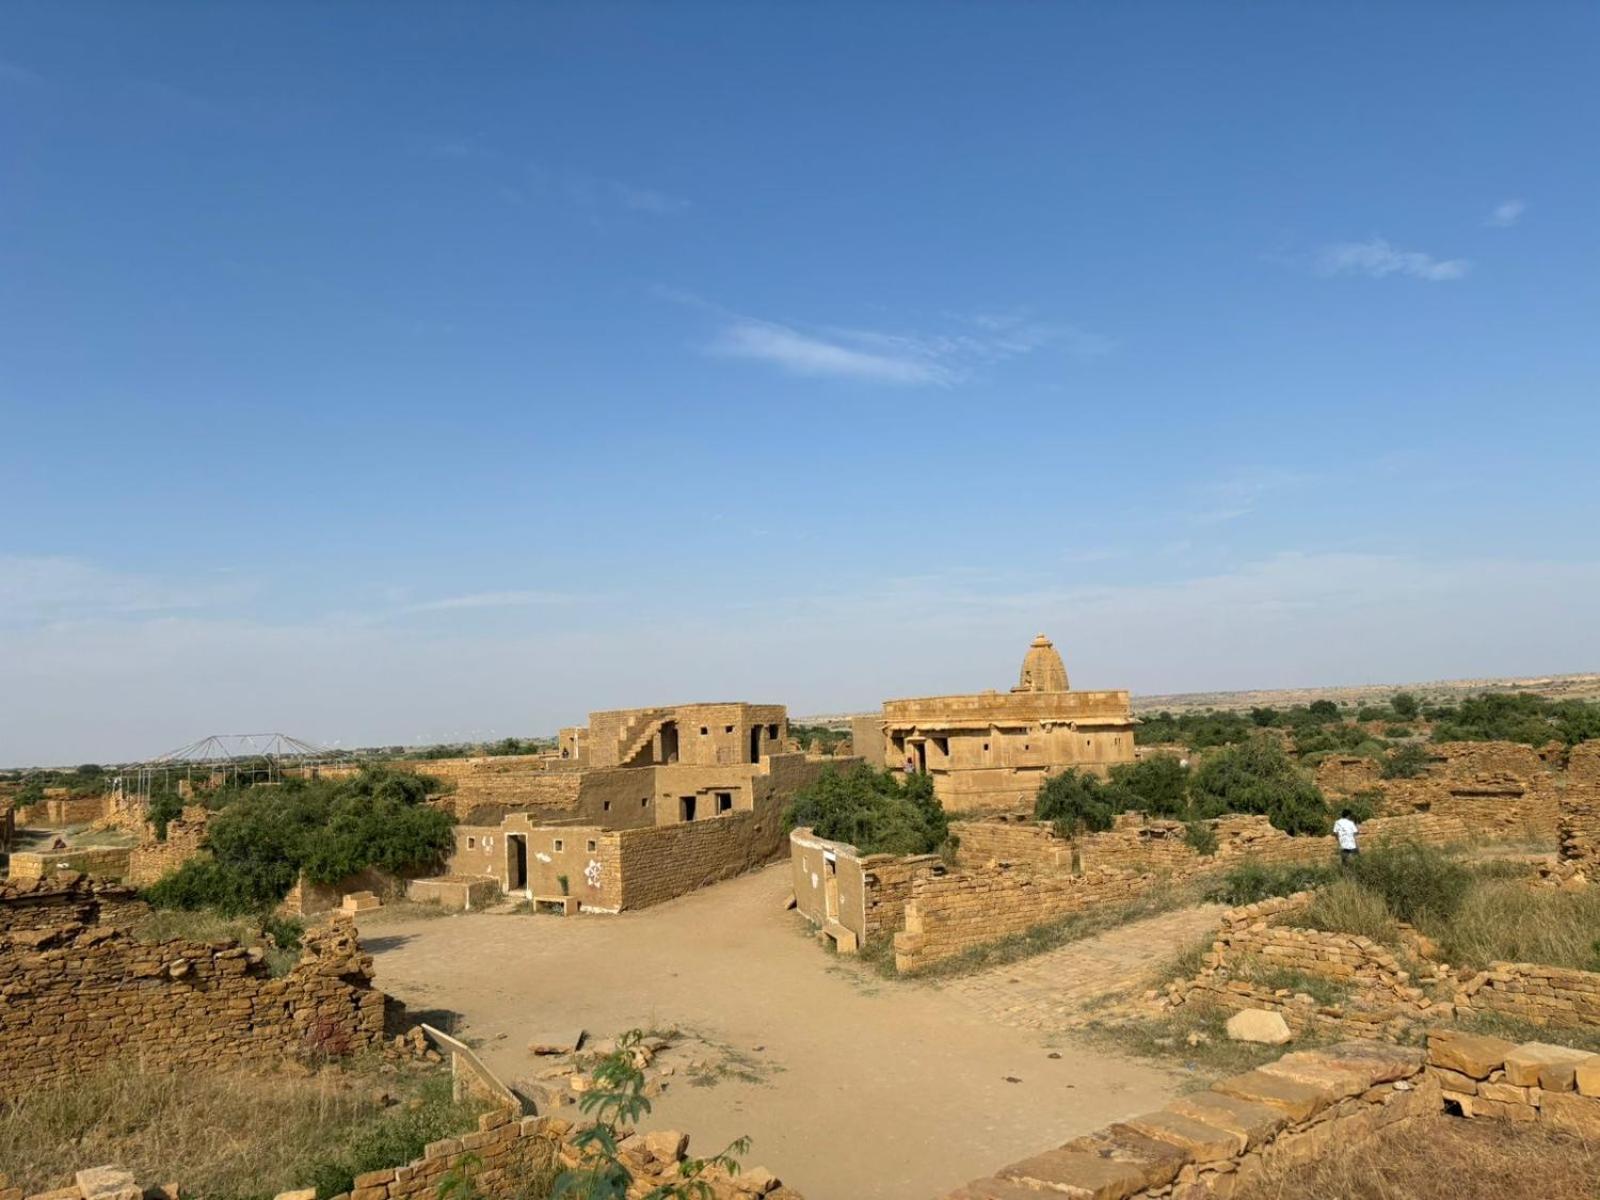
column 1487, row 1077
column 1541, row 995
column 1209, row 1144
column 1303, row 1107
column 496, row 1161
column 77, row 996
column 456, row 893
column 952, row 913
column 105, row 862
column 1253, row 942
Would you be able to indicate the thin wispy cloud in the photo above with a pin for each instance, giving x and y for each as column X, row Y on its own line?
column 16, row 73
column 1507, row 214
column 512, row 599
column 937, row 359
column 584, row 190
column 804, row 354
column 1377, row 259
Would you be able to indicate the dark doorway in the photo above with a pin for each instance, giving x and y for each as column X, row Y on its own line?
column 669, row 742
column 922, row 757
column 516, row 862
column 724, row 802
column 755, row 743
column 686, row 807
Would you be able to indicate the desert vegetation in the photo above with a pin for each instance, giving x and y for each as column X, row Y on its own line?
column 262, row 838
column 1255, row 775
column 877, row 812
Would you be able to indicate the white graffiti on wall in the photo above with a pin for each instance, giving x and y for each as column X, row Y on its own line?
column 591, row 873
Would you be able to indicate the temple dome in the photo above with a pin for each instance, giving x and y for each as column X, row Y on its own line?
column 1042, row 668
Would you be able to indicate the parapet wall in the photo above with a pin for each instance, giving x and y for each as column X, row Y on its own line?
column 106, row 862
column 151, row 859
column 1016, row 842
column 952, row 913
column 77, row 996
column 64, row 900
column 1556, row 997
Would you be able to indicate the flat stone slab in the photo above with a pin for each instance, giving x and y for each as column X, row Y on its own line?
column 1200, row 1142
column 1261, row 1025
column 1587, row 1077
column 563, row 1041
column 1376, row 1062
column 1469, row 1053
column 1253, row 1122
column 1081, row 1176
column 108, row 1183
column 1300, row 1100
column 995, row 1189
column 1553, row 1068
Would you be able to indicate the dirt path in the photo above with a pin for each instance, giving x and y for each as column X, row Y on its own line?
column 1061, row 989
column 869, row 1089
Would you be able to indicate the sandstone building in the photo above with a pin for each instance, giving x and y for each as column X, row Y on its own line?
column 641, row 805
column 991, row 751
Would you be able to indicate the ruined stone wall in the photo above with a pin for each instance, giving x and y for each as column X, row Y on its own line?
column 1258, row 948
column 8, row 825
column 497, row 1159
column 887, row 884
column 1578, row 806
column 1020, row 842
column 151, row 859
column 1213, row 1143
column 54, row 812
column 62, row 900
column 949, row 914
column 105, row 862
column 78, row 996
column 1535, row 1082
column 308, row 898
column 872, row 889
column 1532, row 992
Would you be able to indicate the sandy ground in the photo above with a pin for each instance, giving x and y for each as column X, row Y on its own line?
column 870, row 1089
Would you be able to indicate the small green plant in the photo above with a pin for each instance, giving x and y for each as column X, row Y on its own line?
column 617, row 1100
column 1405, row 762
column 1253, row 881
column 457, row 1182
column 1200, row 838
column 1415, row 881
column 564, row 884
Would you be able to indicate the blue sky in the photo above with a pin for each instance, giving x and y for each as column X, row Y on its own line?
column 387, row 373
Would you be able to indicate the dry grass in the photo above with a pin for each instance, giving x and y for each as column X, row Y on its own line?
column 1344, row 906
column 1445, row 1159
column 1508, row 921
column 228, row 1135
column 203, row 925
column 1165, row 1038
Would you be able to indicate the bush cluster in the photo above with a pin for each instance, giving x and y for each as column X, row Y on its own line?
column 1253, row 776
column 877, row 812
column 262, row 838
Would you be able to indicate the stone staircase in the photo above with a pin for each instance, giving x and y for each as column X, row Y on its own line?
column 637, row 735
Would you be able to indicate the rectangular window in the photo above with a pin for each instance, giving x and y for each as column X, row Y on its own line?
column 472, row 843
column 724, row 802
column 606, row 807
column 727, row 729
column 560, row 845
column 591, row 845
column 704, row 731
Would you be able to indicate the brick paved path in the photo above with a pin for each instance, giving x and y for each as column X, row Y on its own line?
column 1073, row 984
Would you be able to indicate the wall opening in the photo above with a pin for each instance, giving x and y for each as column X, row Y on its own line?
column 755, row 743
column 516, row 862
column 686, row 805
column 669, row 742
column 830, row 887
column 724, row 802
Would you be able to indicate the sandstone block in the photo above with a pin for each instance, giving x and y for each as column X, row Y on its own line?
column 1577, row 1114
column 108, row 1183
column 1529, row 1065
column 1299, row 1100
column 1080, row 1175
column 1587, row 1077
column 1255, row 1123
column 1259, row 1025
column 1471, row 1054
column 1200, row 1142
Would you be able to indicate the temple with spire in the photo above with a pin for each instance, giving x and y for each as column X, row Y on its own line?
column 991, row 751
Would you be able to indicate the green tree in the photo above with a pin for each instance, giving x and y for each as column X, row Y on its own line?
column 1406, row 706
column 1259, row 777
column 1077, row 802
column 1158, row 785
column 877, row 812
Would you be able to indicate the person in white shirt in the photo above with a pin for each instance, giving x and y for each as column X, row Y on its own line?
column 1345, row 830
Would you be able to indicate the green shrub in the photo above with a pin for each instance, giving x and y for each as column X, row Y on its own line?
column 1258, row 777
column 1253, row 881
column 877, row 812
column 1405, row 705
column 1200, row 838
column 1361, row 806
column 1158, row 785
column 1414, row 881
column 1405, row 762
column 165, row 807
column 261, row 839
column 1077, row 802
